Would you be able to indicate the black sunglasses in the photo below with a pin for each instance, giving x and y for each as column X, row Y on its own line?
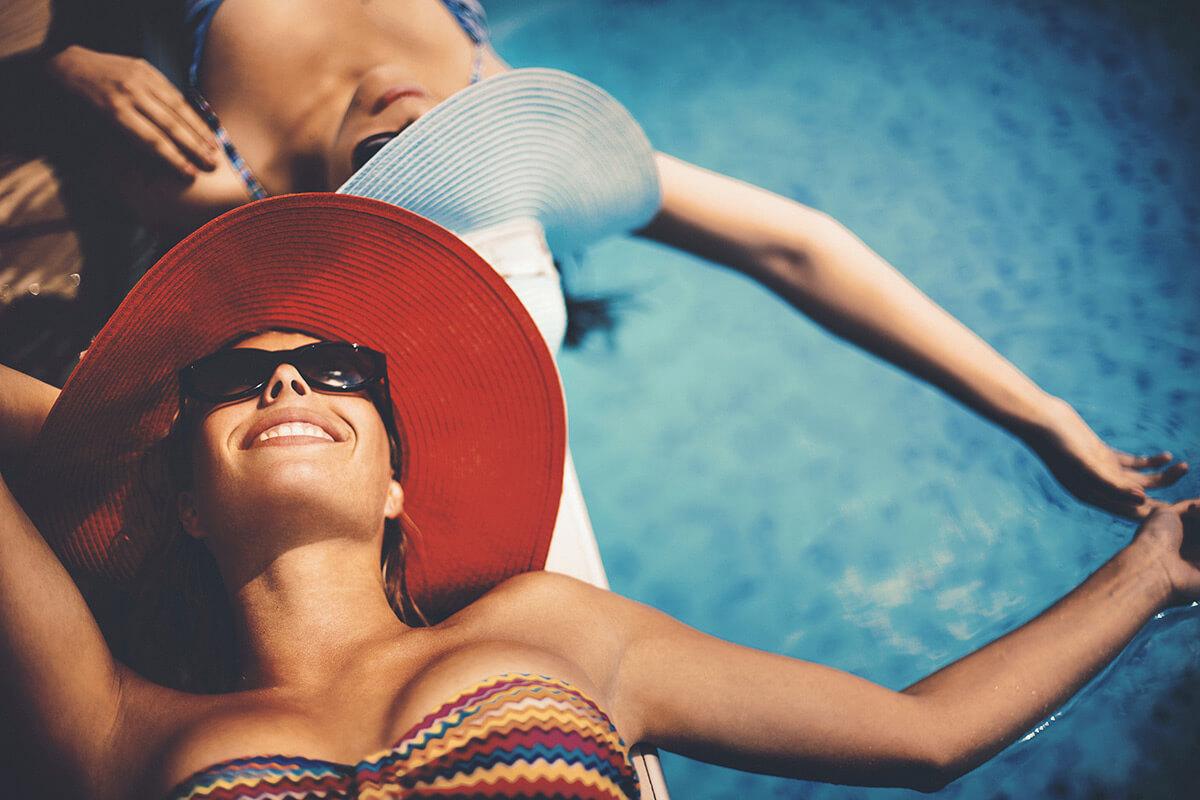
column 237, row 373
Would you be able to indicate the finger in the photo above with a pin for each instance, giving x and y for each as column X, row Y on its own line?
column 1142, row 462
column 205, row 141
column 1134, row 508
column 1125, row 488
column 183, row 138
column 1130, row 491
column 1188, row 507
column 1140, row 511
column 152, row 138
column 1168, row 476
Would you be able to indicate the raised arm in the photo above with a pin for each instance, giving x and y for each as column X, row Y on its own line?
column 824, row 270
column 55, row 667
column 691, row 693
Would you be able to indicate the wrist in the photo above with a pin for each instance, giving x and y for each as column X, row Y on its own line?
column 1037, row 416
column 1144, row 563
column 57, row 60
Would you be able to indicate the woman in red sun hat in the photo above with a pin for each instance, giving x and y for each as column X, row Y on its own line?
column 313, row 387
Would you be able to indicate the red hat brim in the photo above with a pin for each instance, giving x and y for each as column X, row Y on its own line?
column 477, row 399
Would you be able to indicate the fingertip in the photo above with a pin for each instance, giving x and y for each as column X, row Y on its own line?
column 1143, row 511
column 1188, row 508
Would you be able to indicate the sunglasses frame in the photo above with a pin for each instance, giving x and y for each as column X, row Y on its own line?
column 376, row 387
column 379, row 360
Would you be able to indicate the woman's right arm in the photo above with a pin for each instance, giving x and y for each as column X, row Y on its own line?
column 24, row 404
column 56, row 667
column 175, row 176
column 139, row 101
column 178, row 205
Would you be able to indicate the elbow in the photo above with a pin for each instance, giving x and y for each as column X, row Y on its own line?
column 794, row 256
column 930, row 780
column 936, row 767
column 924, row 777
column 935, row 753
column 785, row 260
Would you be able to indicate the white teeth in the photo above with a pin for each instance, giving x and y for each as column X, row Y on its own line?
column 294, row 429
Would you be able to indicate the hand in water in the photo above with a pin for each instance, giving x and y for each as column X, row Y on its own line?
column 142, row 102
column 1100, row 475
column 1171, row 536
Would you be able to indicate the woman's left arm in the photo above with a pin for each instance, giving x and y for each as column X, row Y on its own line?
column 682, row 690
column 824, row 270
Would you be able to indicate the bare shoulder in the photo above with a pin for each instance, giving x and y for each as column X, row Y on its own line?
column 561, row 615
column 567, row 601
column 541, row 585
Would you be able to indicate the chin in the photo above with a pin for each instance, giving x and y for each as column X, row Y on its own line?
column 298, row 493
column 302, row 483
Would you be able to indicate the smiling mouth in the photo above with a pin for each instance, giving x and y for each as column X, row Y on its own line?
column 292, row 433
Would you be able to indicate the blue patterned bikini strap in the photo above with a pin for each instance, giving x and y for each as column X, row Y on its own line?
column 253, row 187
column 198, row 16
column 473, row 20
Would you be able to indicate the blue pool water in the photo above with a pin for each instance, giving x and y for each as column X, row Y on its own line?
column 1033, row 171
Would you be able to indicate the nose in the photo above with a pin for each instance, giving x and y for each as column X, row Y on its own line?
column 285, row 379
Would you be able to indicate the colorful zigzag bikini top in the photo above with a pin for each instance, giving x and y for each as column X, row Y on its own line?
column 514, row 736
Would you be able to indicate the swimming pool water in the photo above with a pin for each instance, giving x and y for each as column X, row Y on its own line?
column 1032, row 167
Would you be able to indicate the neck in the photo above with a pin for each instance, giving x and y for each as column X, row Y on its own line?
column 311, row 613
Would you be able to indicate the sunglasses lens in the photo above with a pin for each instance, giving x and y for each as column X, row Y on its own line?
column 227, row 374
column 239, row 372
column 339, row 366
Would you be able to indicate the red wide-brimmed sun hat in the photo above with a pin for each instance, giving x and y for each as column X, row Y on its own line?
column 476, row 396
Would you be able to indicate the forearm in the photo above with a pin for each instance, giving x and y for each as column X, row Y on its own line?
column 740, row 707
column 824, row 270
column 174, row 206
column 54, row 662
column 842, row 284
column 974, row 707
column 24, row 404
column 26, row 24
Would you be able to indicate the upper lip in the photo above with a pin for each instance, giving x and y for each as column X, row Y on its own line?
column 277, row 416
column 396, row 93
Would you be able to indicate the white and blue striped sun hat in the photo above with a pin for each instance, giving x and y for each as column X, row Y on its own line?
column 536, row 144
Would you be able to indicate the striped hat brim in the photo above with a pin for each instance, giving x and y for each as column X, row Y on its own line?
column 527, row 143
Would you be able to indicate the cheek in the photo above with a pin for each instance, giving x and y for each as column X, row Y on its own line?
column 208, row 448
column 373, row 438
column 381, row 453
